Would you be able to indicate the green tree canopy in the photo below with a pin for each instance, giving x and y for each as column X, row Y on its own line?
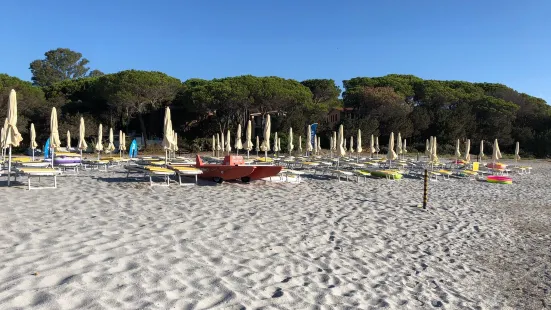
column 58, row 65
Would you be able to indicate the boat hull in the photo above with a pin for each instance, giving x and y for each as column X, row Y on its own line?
column 225, row 172
column 265, row 172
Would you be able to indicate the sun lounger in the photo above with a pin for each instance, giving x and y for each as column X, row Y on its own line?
column 38, row 172
column 95, row 164
column 361, row 174
column 340, row 173
column 151, row 172
column 185, row 171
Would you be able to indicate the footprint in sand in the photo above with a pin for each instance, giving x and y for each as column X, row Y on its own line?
column 278, row 293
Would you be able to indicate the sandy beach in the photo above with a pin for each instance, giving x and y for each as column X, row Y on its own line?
column 101, row 241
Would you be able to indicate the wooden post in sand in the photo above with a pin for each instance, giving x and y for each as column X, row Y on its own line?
column 426, row 190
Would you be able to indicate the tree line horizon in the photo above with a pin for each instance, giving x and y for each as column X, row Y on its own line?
column 134, row 101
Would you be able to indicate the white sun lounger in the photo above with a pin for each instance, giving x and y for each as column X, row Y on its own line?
column 38, row 172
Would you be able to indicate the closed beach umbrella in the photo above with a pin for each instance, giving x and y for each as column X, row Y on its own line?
column 99, row 144
column 372, row 146
column 517, row 151
column 54, row 133
column 213, row 144
column 223, row 143
column 81, row 133
column 218, row 145
column 228, row 142
column 238, row 144
column 334, row 146
column 167, row 134
column 359, row 142
column 404, row 147
column 427, row 148
column 11, row 137
column 468, row 151
column 279, row 144
column 319, row 144
column 457, row 149
column 300, row 143
column 331, row 144
column 122, row 142
column 265, row 146
column 341, row 151
column 351, row 149
column 344, row 144
column 399, row 144
column 290, row 145
column 377, row 148
column 315, row 148
column 175, row 146
column 248, row 138
column 496, row 154
column 309, row 139
column 111, row 145
column 276, row 147
column 481, row 153
column 434, row 155
column 68, row 141
column 391, row 155
column 33, row 144
column 257, row 145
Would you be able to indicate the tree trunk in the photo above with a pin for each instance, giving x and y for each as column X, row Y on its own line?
column 144, row 131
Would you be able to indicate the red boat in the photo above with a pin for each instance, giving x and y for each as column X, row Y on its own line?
column 234, row 168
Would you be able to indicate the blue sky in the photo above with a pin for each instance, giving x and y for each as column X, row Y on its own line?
column 487, row 40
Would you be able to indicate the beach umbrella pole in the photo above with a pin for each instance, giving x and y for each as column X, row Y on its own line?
column 9, row 167
column 265, row 155
column 33, row 154
column 247, row 154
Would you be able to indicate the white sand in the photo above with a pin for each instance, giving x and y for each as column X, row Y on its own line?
column 102, row 242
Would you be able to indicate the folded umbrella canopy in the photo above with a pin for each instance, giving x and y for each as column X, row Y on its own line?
column 309, row 141
column 481, row 153
column 319, row 144
column 351, row 149
column 168, row 139
column 315, row 147
column 399, row 144
column 33, row 144
column 11, row 137
column 68, row 141
column 427, row 147
column 238, row 144
column 218, row 143
column 433, row 154
column 81, row 134
column 276, row 147
column 228, row 142
column 496, row 154
column 222, row 143
column 359, row 142
column 299, row 144
column 340, row 142
column 175, row 145
column 55, row 142
column 248, row 138
column 372, row 146
column 404, row 147
column 111, row 145
column 266, row 143
column 290, row 145
column 213, row 145
column 377, row 148
column 468, row 150
column 257, row 145
column 517, row 151
column 457, row 150
column 391, row 155
column 99, row 144
column 122, row 142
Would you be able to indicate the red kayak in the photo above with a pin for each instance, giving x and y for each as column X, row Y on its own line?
column 234, row 168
